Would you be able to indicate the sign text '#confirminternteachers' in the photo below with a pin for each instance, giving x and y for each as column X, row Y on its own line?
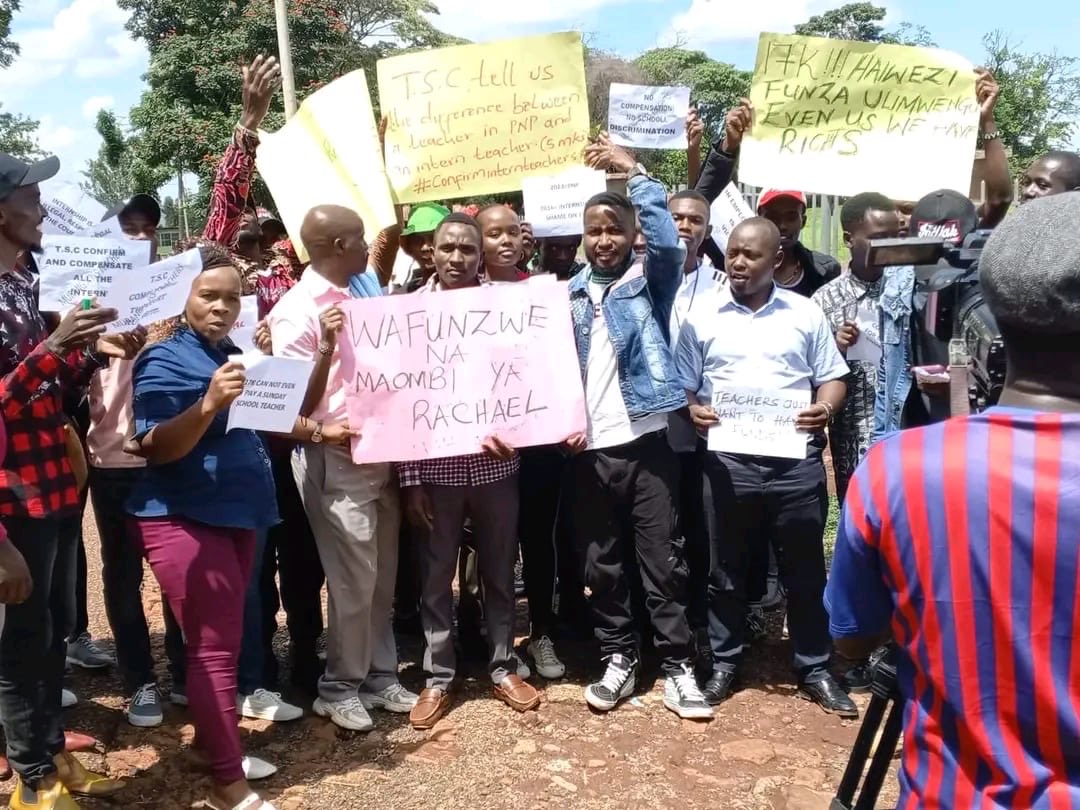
column 476, row 119
column 433, row 375
column 838, row 117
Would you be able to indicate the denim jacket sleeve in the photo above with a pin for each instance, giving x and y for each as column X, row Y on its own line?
column 666, row 254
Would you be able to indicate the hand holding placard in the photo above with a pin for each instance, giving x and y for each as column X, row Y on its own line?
column 758, row 422
column 271, row 392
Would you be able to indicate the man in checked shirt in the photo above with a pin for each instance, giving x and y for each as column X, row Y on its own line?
column 38, row 490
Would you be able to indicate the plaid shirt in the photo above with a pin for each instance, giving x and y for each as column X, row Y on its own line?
column 456, row 471
column 36, row 479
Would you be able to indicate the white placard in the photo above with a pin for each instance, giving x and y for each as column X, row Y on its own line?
column 727, row 211
column 153, row 293
column 755, row 422
column 243, row 331
column 868, row 346
column 555, row 204
column 648, row 117
column 68, row 209
column 109, row 229
column 73, row 268
column 274, row 389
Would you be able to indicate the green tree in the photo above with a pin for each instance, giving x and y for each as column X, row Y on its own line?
column 197, row 47
column 9, row 49
column 1040, row 98
column 118, row 171
column 862, row 22
column 17, row 136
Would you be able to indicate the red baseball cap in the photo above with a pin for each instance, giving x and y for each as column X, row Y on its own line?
column 771, row 194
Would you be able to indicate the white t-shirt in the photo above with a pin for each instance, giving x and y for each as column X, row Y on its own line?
column 609, row 422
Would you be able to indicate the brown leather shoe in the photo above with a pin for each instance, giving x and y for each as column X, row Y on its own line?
column 517, row 694
column 431, row 705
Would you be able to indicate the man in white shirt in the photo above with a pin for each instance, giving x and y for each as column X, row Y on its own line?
column 754, row 336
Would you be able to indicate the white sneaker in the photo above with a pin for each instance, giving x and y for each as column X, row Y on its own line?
column 67, row 699
column 265, row 705
column 256, row 769
column 682, row 696
column 547, row 662
column 348, row 714
column 394, row 698
column 523, row 670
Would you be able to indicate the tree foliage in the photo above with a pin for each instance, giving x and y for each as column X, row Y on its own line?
column 862, row 22
column 18, row 136
column 9, row 49
column 1040, row 98
column 119, row 172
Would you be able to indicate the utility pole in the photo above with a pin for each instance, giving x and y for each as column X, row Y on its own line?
column 183, row 223
column 288, row 82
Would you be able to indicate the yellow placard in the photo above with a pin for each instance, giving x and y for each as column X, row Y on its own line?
column 839, row 117
column 328, row 154
column 476, row 119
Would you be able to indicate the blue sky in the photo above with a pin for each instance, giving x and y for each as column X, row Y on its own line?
column 77, row 57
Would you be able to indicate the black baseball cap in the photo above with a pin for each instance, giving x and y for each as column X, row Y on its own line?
column 139, row 204
column 15, row 174
column 946, row 214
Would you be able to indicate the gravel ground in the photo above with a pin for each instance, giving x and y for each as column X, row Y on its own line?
column 765, row 749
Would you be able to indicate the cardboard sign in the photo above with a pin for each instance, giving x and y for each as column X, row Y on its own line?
column 648, row 117
column 555, row 206
column 754, row 422
column 153, row 293
column 74, row 268
column 838, row 117
column 727, row 211
column 477, row 119
column 433, row 374
column 274, row 389
column 68, row 209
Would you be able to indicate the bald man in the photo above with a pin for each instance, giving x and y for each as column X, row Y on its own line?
column 753, row 336
column 353, row 508
column 1053, row 173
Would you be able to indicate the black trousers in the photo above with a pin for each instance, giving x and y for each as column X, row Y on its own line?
column 625, row 517
column 542, row 472
column 694, row 533
column 122, row 577
column 32, row 647
column 291, row 553
column 759, row 500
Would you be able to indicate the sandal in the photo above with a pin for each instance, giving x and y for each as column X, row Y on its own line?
column 251, row 802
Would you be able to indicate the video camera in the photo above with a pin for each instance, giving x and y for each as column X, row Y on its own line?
column 950, row 312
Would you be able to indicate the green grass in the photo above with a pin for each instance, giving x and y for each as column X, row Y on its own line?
column 811, row 235
column 831, row 524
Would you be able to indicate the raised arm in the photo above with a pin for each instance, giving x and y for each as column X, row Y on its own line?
column 720, row 164
column 993, row 169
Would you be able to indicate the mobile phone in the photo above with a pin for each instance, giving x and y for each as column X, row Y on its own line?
column 932, row 373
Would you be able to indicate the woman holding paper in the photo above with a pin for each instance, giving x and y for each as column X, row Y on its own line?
column 206, row 494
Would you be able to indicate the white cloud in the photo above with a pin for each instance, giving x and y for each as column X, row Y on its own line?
column 707, row 22
column 93, row 104
column 85, row 38
column 466, row 18
column 55, row 138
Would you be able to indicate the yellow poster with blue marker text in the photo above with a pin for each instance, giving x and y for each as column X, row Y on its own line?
column 476, row 119
column 839, row 117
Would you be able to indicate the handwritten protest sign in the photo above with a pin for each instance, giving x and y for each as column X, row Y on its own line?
column 838, row 117
column 555, row 205
column 433, row 374
column 648, row 117
column 328, row 154
column 153, row 293
column 274, row 389
column 69, row 209
column 727, row 211
column 243, row 331
column 756, row 422
column 73, row 268
column 476, row 119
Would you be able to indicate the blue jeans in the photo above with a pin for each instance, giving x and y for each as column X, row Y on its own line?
column 251, row 665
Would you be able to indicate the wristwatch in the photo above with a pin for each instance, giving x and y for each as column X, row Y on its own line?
column 986, row 137
column 325, row 349
column 637, row 170
column 316, row 437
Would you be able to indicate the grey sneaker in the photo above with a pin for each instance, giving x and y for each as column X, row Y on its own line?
column 144, row 710
column 522, row 668
column 394, row 698
column 682, row 696
column 83, row 652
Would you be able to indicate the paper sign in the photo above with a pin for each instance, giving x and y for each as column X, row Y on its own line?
column 243, row 331
column 73, row 268
column 648, row 117
column 476, row 119
column 153, row 293
column 756, row 422
column 868, row 346
column 433, row 374
column 69, row 209
column 838, row 117
column 727, row 211
column 328, row 154
column 274, row 389
column 555, row 206
column 109, row 229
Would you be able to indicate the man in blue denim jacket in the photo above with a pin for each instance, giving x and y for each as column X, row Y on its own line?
column 626, row 479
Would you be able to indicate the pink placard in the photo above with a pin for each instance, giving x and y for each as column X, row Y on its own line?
column 432, row 374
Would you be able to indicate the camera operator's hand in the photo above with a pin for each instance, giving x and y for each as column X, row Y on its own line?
column 846, row 336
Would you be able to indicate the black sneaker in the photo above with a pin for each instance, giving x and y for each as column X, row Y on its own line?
column 827, row 694
column 618, row 683
column 682, row 696
column 719, row 687
column 858, row 679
